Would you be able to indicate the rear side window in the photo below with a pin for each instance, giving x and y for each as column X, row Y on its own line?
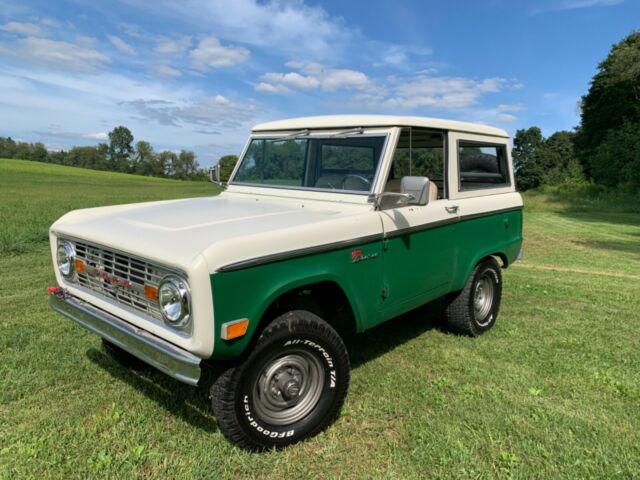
column 482, row 165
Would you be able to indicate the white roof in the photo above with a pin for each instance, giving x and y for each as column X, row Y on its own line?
column 352, row 121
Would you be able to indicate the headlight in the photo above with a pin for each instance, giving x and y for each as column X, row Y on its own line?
column 65, row 257
column 175, row 301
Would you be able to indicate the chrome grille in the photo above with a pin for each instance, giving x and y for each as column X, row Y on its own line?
column 119, row 277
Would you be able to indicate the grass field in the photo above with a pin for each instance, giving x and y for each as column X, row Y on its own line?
column 553, row 391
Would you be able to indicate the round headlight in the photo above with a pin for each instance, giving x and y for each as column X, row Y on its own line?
column 65, row 257
column 175, row 301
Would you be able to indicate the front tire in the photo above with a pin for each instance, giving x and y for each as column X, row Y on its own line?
column 291, row 386
column 474, row 309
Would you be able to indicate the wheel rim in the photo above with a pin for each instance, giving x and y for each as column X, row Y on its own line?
column 483, row 299
column 288, row 388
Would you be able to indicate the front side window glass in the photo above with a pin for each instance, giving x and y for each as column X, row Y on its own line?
column 347, row 164
column 419, row 153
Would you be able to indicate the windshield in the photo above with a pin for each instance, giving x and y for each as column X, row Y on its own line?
column 345, row 164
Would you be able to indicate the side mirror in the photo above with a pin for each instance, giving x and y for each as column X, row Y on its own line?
column 386, row 200
column 418, row 188
column 214, row 175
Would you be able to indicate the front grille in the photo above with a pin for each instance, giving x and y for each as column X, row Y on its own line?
column 119, row 277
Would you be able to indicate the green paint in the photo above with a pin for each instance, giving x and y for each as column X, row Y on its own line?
column 412, row 269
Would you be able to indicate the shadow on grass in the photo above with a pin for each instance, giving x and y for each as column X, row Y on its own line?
column 632, row 246
column 593, row 203
column 373, row 343
column 192, row 404
column 189, row 403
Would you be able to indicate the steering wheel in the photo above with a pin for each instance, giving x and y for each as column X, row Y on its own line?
column 358, row 182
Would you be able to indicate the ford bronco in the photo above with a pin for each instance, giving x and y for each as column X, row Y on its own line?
column 327, row 226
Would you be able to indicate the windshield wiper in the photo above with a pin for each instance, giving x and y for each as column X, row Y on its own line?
column 351, row 131
column 291, row 136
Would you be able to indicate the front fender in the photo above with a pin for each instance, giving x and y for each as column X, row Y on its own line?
column 248, row 293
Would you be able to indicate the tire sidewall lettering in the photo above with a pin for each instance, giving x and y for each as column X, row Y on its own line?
column 284, row 432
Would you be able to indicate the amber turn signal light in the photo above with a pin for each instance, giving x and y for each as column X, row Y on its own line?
column 150, row 292
column 235, row 329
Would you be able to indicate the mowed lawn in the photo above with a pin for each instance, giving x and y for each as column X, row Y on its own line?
column 553, row 391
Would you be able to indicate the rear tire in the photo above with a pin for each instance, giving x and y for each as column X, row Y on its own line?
column 291, row 386
column 474, row 309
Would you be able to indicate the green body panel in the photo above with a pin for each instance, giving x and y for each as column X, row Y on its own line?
column 487, row 235
column 399, row 274
column 248, row 293
column 418, row 267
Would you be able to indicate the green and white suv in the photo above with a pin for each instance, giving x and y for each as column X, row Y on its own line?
column 328, row 226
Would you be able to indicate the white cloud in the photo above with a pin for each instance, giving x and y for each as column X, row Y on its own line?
column 167, row 71
column 292, row 80
column 313, row 76
column 170, row 46
column 572, row 5
column 336, row 79
column 265, row 87
column 101, row 136
column 210, row 53
column 121, row 45
column 441, row 92
column 55, row 54
column 550, row 95
column 506, row 117
column 212, row 111
column 510, row 108
column 287, row 27
column 26, row 29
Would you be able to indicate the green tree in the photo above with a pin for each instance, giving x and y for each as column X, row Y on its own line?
column 7, row 147
column 557, row 156
column 39, row 152
column 527, row 163
column 227, row 163
column 120, row 148
column 184, row 165
column 166, row 161
column 144, row 159
column 612, row 105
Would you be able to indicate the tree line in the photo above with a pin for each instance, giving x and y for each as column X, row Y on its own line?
column 605, row 147
column 119, row 155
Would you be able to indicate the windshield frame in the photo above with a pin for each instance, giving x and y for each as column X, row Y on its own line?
column 316, row 134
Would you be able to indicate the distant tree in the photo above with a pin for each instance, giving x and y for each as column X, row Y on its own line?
column 39, row 152
column 526, row 159
column 85, row 157
column 7, row 147
column 166, row 161
column 58, row 158
column 120, row 148
column 611, row 113
column 144, row 158
column 559, row 160
column 227, row 163
column 184, row 165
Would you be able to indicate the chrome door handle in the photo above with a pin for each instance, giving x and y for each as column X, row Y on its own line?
column 452, row 209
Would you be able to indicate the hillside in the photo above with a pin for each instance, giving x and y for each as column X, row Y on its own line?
column 552, row 391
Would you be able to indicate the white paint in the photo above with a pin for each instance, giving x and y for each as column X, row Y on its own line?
column 199, row 236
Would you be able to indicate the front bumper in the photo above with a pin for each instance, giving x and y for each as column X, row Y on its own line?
column 164, row 356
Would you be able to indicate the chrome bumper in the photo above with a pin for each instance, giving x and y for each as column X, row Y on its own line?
column 164, row 356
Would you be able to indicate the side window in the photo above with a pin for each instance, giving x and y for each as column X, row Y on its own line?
column 482, row 165
column 420, row 153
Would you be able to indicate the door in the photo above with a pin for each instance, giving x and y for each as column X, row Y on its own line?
column 419, row 249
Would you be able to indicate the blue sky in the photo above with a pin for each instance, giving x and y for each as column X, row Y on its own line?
column 197, row 74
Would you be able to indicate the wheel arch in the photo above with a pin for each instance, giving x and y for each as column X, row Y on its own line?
column 302, row 293
column 501, row 256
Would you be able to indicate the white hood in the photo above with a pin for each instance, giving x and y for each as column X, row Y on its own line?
column 175, row 233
